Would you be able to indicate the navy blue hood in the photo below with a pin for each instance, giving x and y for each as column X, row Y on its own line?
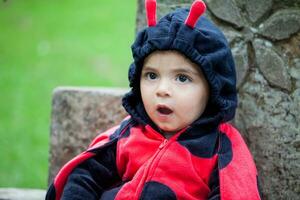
column 204, row 45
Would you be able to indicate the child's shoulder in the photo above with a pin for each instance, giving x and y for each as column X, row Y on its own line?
column 232, row 138
column 111, row 133
column 228, row 129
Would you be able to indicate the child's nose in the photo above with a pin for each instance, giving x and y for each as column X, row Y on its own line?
column 163, row 89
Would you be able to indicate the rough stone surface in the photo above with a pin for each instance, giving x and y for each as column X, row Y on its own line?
column 231, row 35
column 286, row 3
column 78, row 115
column 270, row 121
column 226, row 10
column 241, row 63
column 272, row 66
column 257, row 8
column 295, row 71
column 21, row 194
column 281, row 25
column 290, row 47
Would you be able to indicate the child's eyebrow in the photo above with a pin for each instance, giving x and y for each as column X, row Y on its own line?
column 183, row 70
column 148, row 68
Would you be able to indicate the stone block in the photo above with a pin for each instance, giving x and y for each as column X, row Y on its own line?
column 78, row 115
column 226, row 10
column 282, row 24
column 256, row 8
column 272, row 66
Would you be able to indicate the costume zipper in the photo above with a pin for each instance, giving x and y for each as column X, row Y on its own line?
column 165, row 142
column 145, row 176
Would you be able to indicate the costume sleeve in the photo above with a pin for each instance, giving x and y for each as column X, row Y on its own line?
column 93, row 171
column 92, row 177
column 214, row 185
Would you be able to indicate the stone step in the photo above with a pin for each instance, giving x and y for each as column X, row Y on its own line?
column 22, row 194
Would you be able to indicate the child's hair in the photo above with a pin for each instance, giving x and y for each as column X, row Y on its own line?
column 199, row 40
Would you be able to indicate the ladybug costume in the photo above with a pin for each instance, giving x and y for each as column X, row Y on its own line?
column 206, row 160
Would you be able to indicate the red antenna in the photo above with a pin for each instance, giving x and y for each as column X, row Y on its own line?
column 150, row 6
column 197, row 9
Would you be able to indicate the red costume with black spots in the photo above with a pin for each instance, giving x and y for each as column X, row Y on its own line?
column 206, row 160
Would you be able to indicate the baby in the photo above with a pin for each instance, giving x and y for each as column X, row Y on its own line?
column 176, row 142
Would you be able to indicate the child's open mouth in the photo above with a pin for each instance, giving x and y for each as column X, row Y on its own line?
column 164, row 110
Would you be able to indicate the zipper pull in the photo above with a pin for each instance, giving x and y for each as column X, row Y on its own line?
column 163, row 144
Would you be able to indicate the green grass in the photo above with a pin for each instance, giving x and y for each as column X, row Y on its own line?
column 45, row 44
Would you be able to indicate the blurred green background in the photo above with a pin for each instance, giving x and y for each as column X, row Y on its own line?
column 45, row 44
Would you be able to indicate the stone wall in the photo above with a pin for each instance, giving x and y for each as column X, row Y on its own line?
column 265, row 40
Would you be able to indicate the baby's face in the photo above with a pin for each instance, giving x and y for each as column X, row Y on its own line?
column 173, row 89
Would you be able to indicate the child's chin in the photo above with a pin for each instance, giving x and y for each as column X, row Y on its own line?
column 169, row 130
column 167, row 127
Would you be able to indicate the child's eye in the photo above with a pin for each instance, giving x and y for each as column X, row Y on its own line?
column 151, row 75
column 183, row 78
